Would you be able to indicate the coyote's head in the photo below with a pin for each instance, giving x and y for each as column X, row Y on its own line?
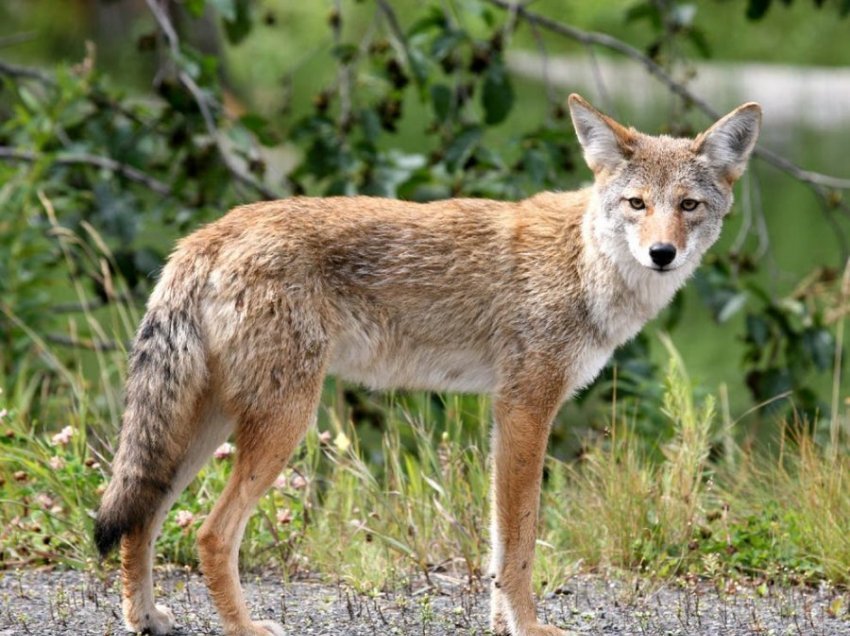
column 661, row 200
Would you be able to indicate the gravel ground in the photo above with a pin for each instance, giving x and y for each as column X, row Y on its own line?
column 53, row 603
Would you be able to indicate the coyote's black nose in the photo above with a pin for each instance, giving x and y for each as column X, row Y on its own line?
column 662, row 254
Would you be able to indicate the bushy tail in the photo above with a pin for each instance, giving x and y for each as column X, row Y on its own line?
column 167, row 375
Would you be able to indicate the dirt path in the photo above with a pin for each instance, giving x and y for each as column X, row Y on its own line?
column 48, row 604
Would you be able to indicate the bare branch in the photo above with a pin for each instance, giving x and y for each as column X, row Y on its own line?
column 205, row 103
column 106, row 163
column 17, row 38
column 544, row 56
column 815, row 178
column 88, row 345
column 395, row 28
column 91, row 305
column 344, row 78
column 13, row 70
column 819, row 182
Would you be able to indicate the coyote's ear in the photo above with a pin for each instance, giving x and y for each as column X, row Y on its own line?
column 728, row 143
column 606, row 143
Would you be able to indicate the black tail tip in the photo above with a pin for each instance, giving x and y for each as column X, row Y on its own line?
column 107, row 535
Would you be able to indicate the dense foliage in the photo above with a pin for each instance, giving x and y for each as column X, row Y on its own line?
column 136, row 171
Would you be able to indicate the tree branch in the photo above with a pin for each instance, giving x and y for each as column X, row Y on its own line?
column 88, row 345
column 344, row 79
column 13, row 70
column 92, row 305
column 204, row 102
column 17, row 38
column 395, row 29
column 819, row 182
column 106, row 163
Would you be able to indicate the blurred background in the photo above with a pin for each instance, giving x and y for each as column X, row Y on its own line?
column 424, row 100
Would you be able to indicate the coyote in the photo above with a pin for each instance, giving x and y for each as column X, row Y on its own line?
column 524, row 300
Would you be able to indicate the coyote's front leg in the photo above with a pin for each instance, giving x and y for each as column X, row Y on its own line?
column 519, row 447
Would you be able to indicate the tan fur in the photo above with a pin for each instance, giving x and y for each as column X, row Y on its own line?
column 523, row 300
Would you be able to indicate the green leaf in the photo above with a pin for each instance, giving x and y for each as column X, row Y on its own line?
column 446, row 43
column 643, row 10
column 758, row 330
column 700, row 41
column 441, row 100
column 535, row 164
column 756, row 9
column 488, row 158
column 462, row 147
column 771, row 383
column 435, row 19
column 732, row 306
column 820, row 347
column 238, row 27
column 196, row 7
column 260, row 127
column 370, row 123
column 345, row 53
column 497, row 96
column 418, row 65
column 226, row 8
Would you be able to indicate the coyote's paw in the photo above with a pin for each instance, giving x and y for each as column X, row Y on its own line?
column 264, row 628
column 542, row 630
column 499, row 624
column 158, row 622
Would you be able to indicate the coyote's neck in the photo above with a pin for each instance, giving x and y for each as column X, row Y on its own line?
column 622, row 294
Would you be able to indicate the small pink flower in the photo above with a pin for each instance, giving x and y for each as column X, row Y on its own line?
column 3, row 413
column 224, row 451
column 63, row 437
column 45, row 501
column 325, row 437
column 298, row 482
column 184, row 518
column 57, row 462
column 280, row 482
column 284, row 516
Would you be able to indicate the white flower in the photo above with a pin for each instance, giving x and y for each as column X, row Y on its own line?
column 3, row 413
column 63, row 437
column 45, row 501
column 184, row 518
column 224, row 451
column 57, row 462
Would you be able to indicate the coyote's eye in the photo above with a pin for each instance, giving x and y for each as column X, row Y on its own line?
column 689, row 205
column 637, row 203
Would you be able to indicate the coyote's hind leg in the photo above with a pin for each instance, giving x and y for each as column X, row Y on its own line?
column 141, row 614
column 264, row 442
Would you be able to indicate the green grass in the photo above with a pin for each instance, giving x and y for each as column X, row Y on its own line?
column 618, row 508
column 420, row 509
